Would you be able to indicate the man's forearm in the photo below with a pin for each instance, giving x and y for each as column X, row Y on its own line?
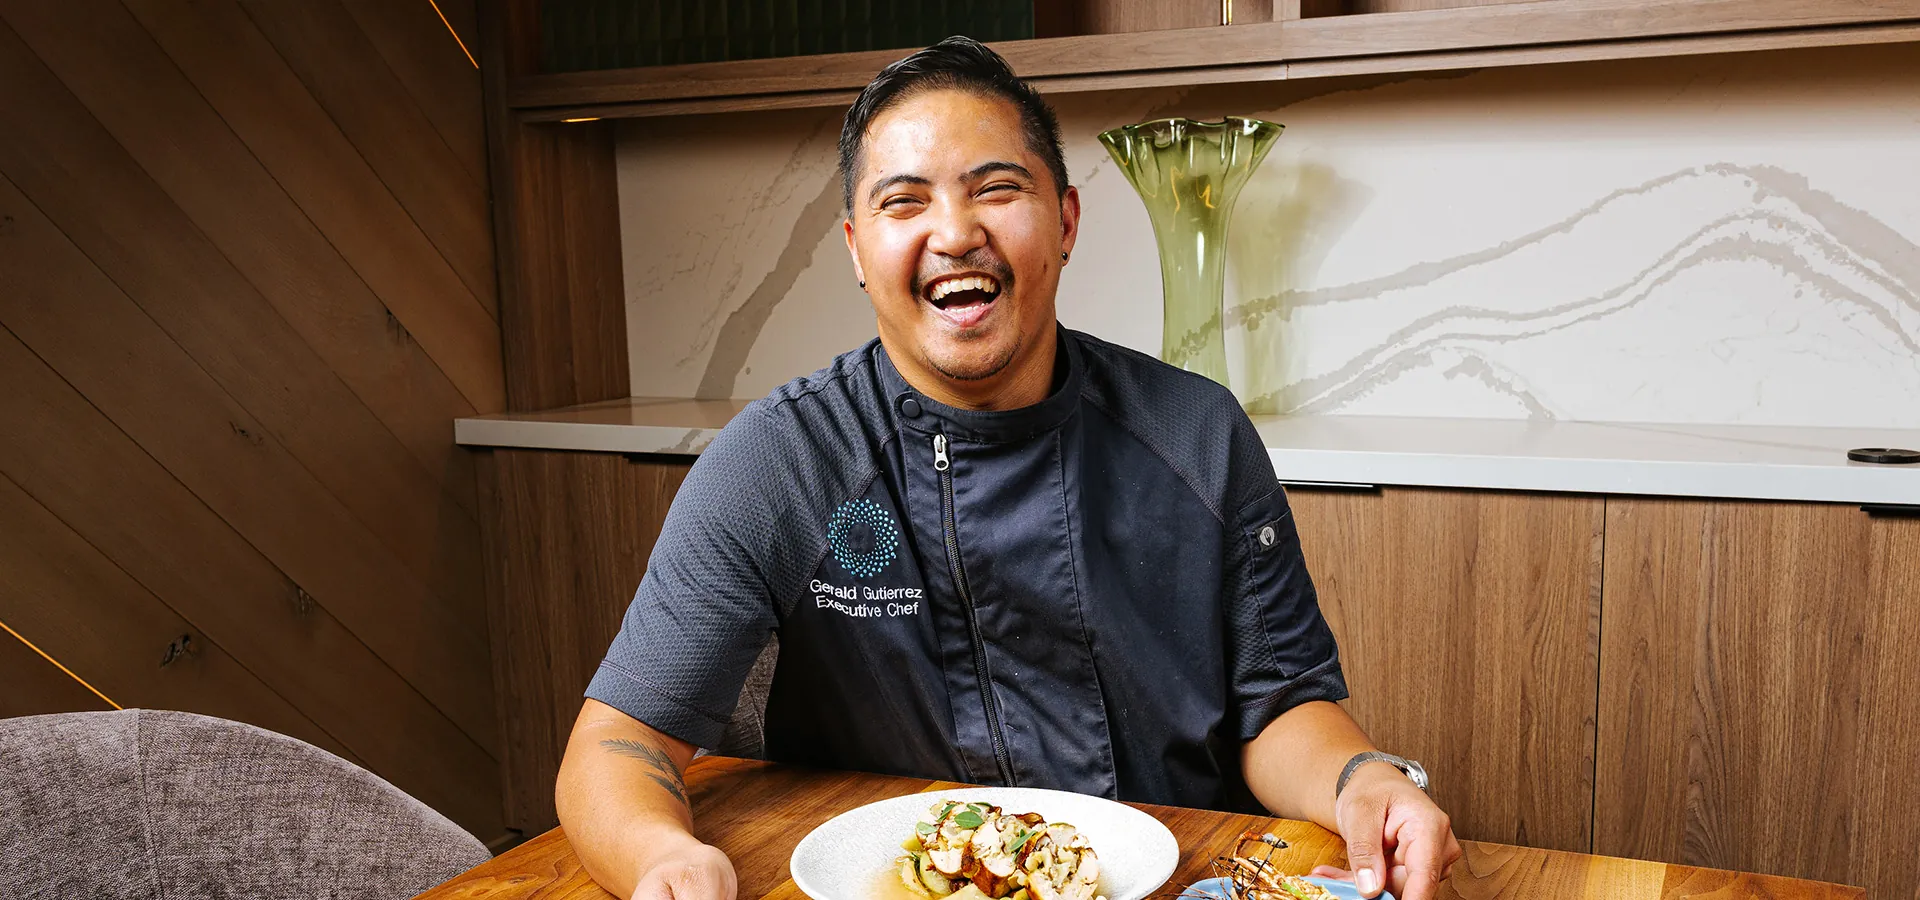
column 1294, row 764
column 621, row 796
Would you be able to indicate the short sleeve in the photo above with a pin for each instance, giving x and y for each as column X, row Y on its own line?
column 1279, row 648
column 704, row 610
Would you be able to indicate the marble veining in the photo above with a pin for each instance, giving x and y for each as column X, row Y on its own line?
column 1799, row 249
column 1723, row 239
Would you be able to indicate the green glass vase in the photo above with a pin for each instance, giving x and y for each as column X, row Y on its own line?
column 1189, row 173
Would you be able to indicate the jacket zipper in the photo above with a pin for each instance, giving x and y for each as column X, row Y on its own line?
column 943, row 464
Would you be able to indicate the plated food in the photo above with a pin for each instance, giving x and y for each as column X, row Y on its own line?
column 977, row 851
column 1266, row 884
column 856, row 855
column 1299, row 888
column 1250, row 872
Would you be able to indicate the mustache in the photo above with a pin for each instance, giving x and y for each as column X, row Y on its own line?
column 981, row 259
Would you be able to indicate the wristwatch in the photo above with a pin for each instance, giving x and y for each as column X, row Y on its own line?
column 1414, row 770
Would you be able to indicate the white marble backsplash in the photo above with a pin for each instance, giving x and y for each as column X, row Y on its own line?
column 1722, row 239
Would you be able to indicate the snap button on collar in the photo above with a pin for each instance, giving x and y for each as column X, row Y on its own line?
column 909, row 407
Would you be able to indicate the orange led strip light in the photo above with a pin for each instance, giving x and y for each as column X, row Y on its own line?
column 456, row 34
column 56, row 663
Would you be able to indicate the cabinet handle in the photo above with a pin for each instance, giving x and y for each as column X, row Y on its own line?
column 1345, row 487
column 1891, row 510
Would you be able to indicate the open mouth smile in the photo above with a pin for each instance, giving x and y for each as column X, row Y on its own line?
column 963, row 299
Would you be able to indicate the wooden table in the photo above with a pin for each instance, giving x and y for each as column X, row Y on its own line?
column 757, row 812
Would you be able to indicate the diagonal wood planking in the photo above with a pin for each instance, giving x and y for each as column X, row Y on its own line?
column 253, row 91
column 346, row 74
column 102, row 485
column 64, row 308
column 235, row 402
column 427, row 59
column 36, row 687
column 49, row 573
column 167, row 131
column 157, row 258
column 463, row 18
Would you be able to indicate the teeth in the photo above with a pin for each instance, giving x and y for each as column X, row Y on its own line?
column 971, row 282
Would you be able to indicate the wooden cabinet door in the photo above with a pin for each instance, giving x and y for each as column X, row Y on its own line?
column 567, row 538
column 1468, row 623
column 1758, row 708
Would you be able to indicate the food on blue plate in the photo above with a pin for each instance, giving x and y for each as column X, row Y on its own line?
column 977, row 851
column 1257, row 877
column 1275, row 886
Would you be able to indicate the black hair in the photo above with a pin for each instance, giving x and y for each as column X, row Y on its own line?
column 960, row 63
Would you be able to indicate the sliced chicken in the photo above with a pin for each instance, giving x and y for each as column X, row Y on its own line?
column 976, row 846
column 1064, row 866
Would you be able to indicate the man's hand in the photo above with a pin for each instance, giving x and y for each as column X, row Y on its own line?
column 682, row 868
column 1392, row 828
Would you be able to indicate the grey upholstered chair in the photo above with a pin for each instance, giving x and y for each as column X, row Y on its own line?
column 148, row 804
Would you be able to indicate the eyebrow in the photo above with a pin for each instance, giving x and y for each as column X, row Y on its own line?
column 989, row 168
column 973, row 174
column 892, row 180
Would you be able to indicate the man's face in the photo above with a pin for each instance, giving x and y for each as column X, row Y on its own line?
column 958, row 231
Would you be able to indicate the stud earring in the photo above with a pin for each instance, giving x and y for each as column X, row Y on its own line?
column 1063, row 256
column 863, row 285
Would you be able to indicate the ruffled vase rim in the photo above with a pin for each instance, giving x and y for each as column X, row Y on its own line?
column 1221, row 122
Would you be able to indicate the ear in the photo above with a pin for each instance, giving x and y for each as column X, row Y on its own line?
column 846, row 228
column 1069, row 219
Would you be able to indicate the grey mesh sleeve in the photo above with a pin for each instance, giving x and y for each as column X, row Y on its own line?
column 704, row 609
column 1280, row 651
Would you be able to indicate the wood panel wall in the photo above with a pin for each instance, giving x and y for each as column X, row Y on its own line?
column 567, row 535
column 1110, row 18
column 1297, row 9
column 1468, row 626
column 557, row 224
column 249, row 284
column 1757, row 704
column 570, row 534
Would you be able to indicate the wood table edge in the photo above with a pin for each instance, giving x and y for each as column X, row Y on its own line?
column 547, row 863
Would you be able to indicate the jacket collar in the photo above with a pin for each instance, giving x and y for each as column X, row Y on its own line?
column 988, row 426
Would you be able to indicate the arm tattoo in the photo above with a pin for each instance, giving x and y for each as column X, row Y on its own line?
column 668, row 779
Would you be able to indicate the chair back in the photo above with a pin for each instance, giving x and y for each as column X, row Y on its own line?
column 148, row 804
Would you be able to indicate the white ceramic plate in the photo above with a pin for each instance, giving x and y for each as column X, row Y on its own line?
column 848, row 855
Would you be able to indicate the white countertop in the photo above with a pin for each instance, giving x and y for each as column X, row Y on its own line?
column 1742, row 461
column 633, row 425
column 1737, row 461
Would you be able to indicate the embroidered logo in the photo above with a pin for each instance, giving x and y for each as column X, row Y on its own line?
column 863, row 536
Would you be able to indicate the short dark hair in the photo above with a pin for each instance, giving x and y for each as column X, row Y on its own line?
column 960, row 63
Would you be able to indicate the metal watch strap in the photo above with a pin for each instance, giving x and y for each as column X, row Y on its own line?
column 1413, row 770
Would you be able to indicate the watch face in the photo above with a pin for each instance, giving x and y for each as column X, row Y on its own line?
column 1417, row 772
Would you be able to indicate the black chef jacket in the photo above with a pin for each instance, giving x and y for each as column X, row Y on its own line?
column 1100, row 593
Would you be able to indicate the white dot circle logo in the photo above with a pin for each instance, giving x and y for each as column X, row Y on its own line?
column 863, row 537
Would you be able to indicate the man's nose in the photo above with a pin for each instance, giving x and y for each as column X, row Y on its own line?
column 956, row 230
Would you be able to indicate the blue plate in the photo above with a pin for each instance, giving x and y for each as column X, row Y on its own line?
column 1217, row 887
